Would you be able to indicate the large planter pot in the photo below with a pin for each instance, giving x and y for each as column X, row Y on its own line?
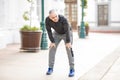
column 30, row 40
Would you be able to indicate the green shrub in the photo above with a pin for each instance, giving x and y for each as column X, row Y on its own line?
column 27, row 17
column 29, row 28
column 86, row 24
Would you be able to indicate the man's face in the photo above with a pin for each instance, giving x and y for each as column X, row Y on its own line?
column 54, row 17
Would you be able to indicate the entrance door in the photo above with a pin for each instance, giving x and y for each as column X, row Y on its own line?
column 102, row 15
column 71, row 12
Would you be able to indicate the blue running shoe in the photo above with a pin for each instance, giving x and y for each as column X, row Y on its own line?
column 49, row 72
column 72, row 72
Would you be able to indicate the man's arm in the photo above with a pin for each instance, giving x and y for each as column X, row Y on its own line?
column 49, row 31
column 67, row 30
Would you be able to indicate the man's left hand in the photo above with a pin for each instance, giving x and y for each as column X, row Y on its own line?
column 68, row 45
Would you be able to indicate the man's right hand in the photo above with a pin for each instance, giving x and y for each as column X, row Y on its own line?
column 52, row 45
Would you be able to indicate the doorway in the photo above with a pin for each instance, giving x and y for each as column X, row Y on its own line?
column 71, row 12
column 103, row 15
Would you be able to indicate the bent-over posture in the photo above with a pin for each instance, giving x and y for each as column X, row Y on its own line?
column 62, row 31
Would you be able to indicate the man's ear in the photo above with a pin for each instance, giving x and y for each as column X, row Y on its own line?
column 49, row 17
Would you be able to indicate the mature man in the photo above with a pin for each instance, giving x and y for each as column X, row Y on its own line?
column 62, row 31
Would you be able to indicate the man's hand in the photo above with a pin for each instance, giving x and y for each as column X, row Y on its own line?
column 52, row 45
column 68, row 45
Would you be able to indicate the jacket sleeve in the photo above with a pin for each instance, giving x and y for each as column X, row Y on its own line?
column 67, row 29
column 49, row 31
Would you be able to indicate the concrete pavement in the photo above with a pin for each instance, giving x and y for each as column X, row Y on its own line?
column 89, row 52
column 107, row 69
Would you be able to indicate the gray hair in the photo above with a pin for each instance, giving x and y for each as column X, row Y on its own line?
column 52, row 10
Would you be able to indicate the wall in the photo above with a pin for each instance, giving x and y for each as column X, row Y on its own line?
column 115, row 13
column 10, row 21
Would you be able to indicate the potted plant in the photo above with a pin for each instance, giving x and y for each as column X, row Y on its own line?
column 87, row 28
column 30, row 35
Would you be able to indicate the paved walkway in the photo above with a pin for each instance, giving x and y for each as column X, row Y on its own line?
column 107, row 69
column 89, row 53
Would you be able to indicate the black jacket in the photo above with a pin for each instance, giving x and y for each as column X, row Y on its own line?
column 61, row 27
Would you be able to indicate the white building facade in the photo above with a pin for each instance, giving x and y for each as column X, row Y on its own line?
column 99, row 14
